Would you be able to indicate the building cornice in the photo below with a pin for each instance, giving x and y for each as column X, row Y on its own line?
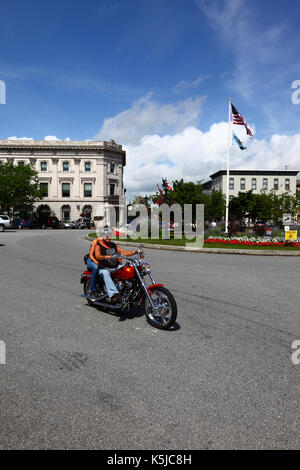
column 58, row 145
column 256, row 172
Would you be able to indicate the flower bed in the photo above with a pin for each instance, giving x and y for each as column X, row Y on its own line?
column 245, row 241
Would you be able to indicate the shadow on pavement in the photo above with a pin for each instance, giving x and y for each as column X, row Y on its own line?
column 133, row 313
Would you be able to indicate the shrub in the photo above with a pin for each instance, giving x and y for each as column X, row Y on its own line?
column 277, row 233
column 260, row 231
column 212, row 232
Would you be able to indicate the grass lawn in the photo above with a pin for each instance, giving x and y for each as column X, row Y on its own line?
column 182, row 242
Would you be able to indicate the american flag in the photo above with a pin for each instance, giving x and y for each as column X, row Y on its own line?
column 166, row 185
column 239, row 120
column 170, row 188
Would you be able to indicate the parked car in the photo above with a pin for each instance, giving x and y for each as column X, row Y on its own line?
column 83, row 222
column 21, row 222
column 67, row 224
column 45, row 222
column 5, row 222
column 73, row 224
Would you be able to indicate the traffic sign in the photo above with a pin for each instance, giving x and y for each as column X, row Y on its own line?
column 291, row 235
column 287, row 219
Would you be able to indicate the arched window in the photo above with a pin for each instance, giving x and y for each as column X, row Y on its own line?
column 43, row 210
column 65, row 213
column 87, row 211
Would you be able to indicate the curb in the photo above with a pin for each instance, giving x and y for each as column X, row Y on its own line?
column 223, row 251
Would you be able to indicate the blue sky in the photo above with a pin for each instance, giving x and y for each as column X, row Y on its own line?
column 142, row 68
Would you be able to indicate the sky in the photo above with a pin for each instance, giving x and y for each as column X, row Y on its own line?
column 155, row 76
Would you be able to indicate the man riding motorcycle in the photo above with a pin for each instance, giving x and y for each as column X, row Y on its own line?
column 103, row 260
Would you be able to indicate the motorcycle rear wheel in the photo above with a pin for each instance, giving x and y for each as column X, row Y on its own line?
column 86, row 289
column 165, row 316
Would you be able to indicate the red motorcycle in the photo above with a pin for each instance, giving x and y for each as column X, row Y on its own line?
column 158, row 303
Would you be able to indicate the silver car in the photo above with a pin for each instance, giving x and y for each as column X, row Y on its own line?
column 5, row 222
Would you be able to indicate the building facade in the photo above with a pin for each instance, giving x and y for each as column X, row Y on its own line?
column 78, row 177
column 280, row 181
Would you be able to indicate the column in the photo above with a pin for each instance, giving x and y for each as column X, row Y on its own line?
column 55, row 178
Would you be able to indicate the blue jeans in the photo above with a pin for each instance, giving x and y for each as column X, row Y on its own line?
column 105, row 273
column 94, row 268
column 109, row 283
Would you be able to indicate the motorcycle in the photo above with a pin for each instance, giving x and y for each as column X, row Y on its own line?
column 157, row 302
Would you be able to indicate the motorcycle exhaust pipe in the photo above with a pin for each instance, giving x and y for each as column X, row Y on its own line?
column 97, row 303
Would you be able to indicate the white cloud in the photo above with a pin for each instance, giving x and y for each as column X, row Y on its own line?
column 184, row 85
column 51, row 137
column 184, row 151
column 257, row 51
column 149, row 117
column 19, row 138
column 194, row 155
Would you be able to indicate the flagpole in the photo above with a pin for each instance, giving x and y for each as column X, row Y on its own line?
column 229, row 138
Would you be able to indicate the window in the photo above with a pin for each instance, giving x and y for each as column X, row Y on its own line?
column 65, row 211
column 231, row 183
column 87, row 166
column 287, row 184
column 44, row 188
column 1, row 162
column 111, row 189
column 21, row 163
column 253, row 184
column 276, row 184
column 66, row 166
column 112, row 167
column 43, row 166
column 265, row 183
column 87, row 190
column 65, row 189
column 243, row 184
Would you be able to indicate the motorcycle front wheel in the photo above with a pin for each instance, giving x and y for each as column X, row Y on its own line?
column 165, row 315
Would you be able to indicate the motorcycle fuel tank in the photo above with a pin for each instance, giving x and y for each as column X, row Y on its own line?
column 128, row 272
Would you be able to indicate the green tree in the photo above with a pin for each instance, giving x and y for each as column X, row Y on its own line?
column 261, row 207
column 191, row 193
column 242, row 205
column 284, row 203
column 19, row 187
column 217, row 205
column 145, row 200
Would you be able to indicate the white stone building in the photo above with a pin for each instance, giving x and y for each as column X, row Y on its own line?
column 281, row 181
column 77, row 176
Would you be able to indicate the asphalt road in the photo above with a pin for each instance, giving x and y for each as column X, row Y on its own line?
column 78, row 378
